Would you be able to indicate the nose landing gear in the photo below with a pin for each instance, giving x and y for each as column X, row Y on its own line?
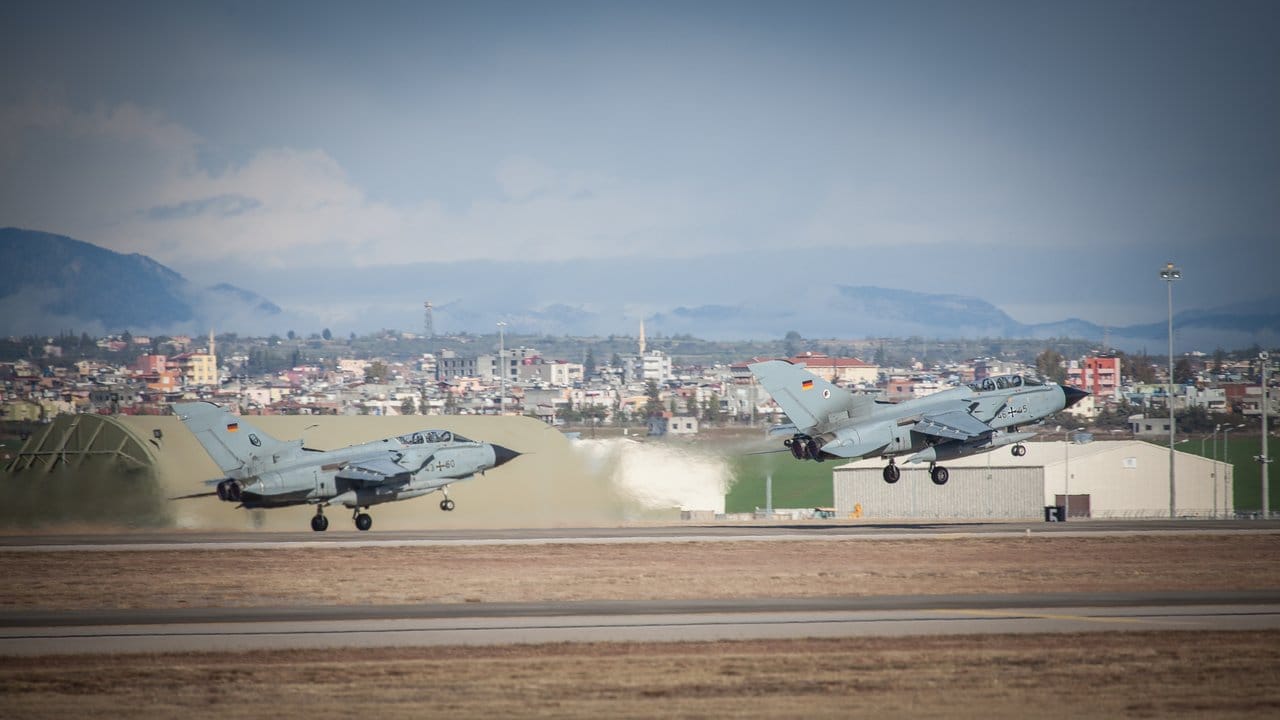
column 891, row 472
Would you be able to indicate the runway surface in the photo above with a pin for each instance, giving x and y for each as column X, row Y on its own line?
column 657, row 621
column 718, row 532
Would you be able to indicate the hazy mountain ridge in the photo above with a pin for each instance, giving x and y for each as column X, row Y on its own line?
column 49, row 283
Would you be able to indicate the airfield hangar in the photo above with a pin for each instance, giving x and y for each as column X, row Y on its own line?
column 1105, row 479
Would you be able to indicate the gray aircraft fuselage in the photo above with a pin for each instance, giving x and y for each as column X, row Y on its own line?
column 829, row 422
column 259, row 471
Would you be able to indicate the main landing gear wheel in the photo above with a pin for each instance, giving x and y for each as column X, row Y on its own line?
column 446, row 505
column 319, row 522
column 939, row 475
column 363, row 521
column 1018, row 450
column 891, row 473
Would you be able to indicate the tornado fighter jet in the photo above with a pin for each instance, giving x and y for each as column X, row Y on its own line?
column 830, row 422
column 260, row 471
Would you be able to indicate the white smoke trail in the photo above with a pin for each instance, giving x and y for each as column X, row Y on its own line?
column 656, row 475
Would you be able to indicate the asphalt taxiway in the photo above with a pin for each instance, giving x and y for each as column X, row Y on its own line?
column 248, row 629
column 682, row 532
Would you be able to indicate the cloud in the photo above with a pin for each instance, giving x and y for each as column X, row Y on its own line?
column 130, row 179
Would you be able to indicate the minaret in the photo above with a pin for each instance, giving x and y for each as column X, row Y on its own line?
column 641, row 337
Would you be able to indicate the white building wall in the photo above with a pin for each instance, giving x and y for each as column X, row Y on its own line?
column 1122, row 479
column 1131, row 479
column 1009, row 493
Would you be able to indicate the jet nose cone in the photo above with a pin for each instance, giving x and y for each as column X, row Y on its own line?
column 503, row 455
column 1073, row 395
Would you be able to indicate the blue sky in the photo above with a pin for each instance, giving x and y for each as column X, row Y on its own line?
column 1047, row 157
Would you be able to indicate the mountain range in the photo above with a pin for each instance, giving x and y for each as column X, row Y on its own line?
column 50, row 283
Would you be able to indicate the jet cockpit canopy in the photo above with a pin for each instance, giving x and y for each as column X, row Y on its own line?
column 423, row 437
column 1004, row 382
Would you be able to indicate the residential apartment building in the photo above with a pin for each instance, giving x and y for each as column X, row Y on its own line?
column 1099, row 375
column 655, row 365
column 196, row 368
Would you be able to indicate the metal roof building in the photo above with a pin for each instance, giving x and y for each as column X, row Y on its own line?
column 1104, row 479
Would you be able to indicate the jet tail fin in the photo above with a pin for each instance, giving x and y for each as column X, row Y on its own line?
column 811, row 402
column 228, row 438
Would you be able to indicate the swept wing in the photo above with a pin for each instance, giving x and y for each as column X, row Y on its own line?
column 373, row 471
column 952, row 425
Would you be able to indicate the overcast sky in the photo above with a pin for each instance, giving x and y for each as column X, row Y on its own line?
column 1048, row 157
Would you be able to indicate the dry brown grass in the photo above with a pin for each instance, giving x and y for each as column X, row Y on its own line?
column 694, row 570
column 1148, row 675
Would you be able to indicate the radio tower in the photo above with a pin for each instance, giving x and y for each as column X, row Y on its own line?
column 428, row 323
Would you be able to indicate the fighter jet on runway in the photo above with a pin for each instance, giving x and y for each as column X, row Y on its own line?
column 829, row 422
column 262, row 472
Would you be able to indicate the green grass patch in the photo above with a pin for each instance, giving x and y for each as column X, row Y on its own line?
column 1246, row 491
column 796, row 484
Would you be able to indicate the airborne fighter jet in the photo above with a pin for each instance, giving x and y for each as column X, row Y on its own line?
column 830, row 422
column 262, row 472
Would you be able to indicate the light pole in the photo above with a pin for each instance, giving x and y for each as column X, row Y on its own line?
column 1170, row 273
column 1219, row 474
column 1264, row 460
column 1066, row 471
column 1216, row 428
column 502, row 370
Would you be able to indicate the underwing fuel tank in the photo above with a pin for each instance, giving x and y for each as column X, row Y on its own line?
column 956, row 449
column 938, row 453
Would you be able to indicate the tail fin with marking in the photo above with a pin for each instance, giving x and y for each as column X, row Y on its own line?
column 811, row 402
column 230, row 440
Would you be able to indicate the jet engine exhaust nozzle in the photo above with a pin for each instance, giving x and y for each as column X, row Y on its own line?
column 229, row 491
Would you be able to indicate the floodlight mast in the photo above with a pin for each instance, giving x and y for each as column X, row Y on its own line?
column 1169, row 273
column 1264, row 460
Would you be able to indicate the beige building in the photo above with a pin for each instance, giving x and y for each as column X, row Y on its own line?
column 197, row 368
column 841, row 371
column 1105, row 479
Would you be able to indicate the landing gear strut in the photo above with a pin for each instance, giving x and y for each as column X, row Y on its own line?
column 446, row 504
column 363, row 520
column 319, row 522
